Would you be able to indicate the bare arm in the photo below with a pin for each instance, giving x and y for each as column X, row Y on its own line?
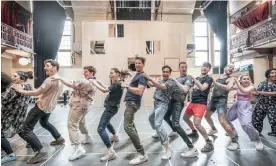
column 68, row 83
column 101, row 84
column 266, row 93
column 183, row 88
column 158, row 85
column 137, row 90
column 203, row 86
column 244, row 89
column 227, row 87
column 102, row 89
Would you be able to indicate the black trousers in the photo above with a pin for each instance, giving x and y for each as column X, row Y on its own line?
column 5, row 145
column 27, row 133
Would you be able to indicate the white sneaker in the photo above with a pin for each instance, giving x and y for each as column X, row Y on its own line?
column 168, row 154
column 233, row 146
column 109, row 155
column 212, row 132
column 78, row 153
column 87, row 140
column 155, row 135
column 192, row 152
column 138, row 159
column 259, row 145
column 173, row 134
column 114, row 138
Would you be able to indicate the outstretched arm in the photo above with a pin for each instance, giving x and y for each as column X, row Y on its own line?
column 183, row 88
column 101, row 88
column 227, row 87
column 244, row 89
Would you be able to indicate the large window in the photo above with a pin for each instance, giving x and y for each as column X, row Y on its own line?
column 203, row 48
column 64, row 52
column 201, row 42
column 217, row 52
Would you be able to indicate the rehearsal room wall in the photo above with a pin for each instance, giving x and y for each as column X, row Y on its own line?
column 173, row 38
column 6, row 65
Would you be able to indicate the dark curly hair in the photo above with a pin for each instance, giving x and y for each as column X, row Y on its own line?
column 267, row 73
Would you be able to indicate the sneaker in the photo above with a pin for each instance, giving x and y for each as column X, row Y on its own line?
column 173, row 134
column 37, row 157
column 87, row 140
column 233, row 146
column 78, row 153
column 138, row 159
column 259, row 145
column 114, row 138
column 209, row 147
column 212, row 132
column 271, row 134
column 191, row 152
column 193, row 135
column 58, row 141
column 168, row 154
column 109, row 155
column 8, row 158
column 155, row 135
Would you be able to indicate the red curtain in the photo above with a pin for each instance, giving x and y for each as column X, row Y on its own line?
column 13, row 14
column 251, row 18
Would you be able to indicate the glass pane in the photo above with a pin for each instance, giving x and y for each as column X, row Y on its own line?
column 64, row 58
column 216, row 44
column 65, row 42
column 217, row 59
column 200, row 28
column 201, row 43
column 200, row 58
column 67, row 28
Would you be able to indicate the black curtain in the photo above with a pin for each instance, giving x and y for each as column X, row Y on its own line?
column 216, row 15
column 48, row 20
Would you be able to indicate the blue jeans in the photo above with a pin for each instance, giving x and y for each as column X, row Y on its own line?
column 105, row 123
column 156, row 119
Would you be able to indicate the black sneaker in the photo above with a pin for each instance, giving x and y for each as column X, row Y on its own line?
column 37, row 157
column 271, row 134
column 209, row 147
column 193, row 135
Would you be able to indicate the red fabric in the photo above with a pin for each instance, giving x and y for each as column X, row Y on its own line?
column 11, row 16
column 259, row 14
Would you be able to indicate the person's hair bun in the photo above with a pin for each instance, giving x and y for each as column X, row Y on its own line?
column 30, row 74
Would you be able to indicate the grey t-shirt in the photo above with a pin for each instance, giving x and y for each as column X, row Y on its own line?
column 165, row 95
column 178, row 94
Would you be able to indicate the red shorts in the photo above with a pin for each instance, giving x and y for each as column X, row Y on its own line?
column 196, row 109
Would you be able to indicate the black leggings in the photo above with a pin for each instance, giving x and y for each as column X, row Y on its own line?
column 5, row 145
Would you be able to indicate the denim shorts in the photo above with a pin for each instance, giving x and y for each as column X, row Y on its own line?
column 218, row 104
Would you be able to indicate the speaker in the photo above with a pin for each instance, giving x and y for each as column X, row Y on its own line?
column 190, row 47
column 215, row 70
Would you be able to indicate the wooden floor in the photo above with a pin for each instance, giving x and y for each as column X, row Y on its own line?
column 58, row 155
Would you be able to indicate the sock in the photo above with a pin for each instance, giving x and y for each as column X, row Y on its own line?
column 194, row 131
column 12, row 154
column 214, row 128
column 234, row 140
column 208, row 140
column 87, row 136
column 60, row 138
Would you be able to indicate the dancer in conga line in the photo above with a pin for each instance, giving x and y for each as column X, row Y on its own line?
column 13, row 111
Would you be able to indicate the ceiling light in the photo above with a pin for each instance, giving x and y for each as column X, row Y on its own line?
column 23, row 61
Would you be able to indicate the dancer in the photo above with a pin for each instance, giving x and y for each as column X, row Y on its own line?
column 242, row 109
column 13, row 112
column 48, row 94
column 266, row 103
column 178, row 95
column 176, row 105
column 162, row 95
column 198, row 104
column 112, row 105
column 80, row 104
column 133, row 102
column 5, row 82
column 218, row 103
